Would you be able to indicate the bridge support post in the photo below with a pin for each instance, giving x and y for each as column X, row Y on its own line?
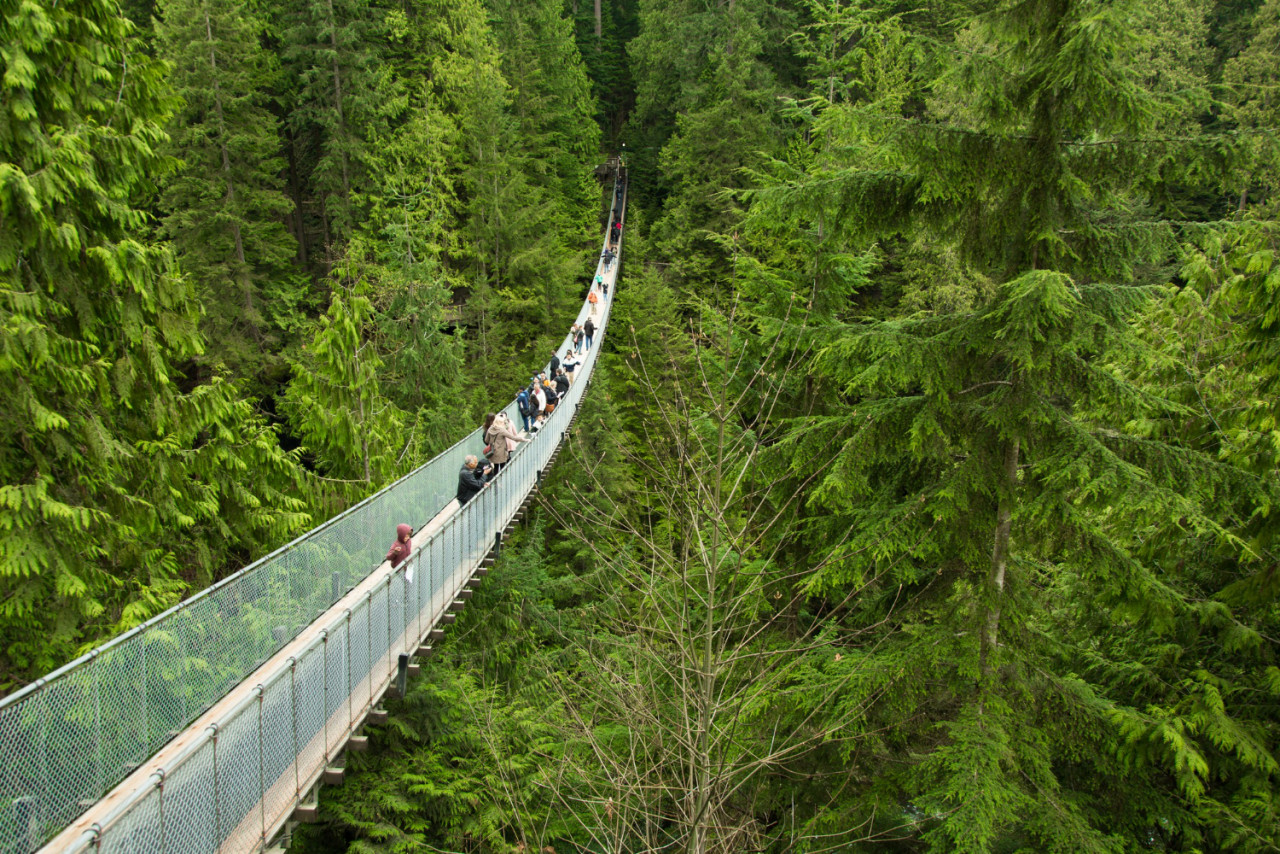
column 402, row 674
column 24, row 821
column 497, row 544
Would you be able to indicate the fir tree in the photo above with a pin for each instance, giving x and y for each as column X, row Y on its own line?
column 341, row 102
column 225, row 203
column 987, row 459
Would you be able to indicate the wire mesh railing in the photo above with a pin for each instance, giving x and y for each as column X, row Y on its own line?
column 69, row 738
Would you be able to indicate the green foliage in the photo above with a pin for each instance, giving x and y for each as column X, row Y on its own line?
column 120, row 487
column 225, row 205
column 335, row 401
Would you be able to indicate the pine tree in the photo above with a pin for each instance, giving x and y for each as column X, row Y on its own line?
column 339, row 101
column 401, row 252
column 551, row 100
column 225, row 205
column 1251, row 80
column 709, row 99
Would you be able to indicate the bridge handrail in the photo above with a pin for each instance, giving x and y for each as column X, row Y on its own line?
column 63, row 748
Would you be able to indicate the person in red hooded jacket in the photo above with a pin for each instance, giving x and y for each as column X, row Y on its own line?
column 402, row 546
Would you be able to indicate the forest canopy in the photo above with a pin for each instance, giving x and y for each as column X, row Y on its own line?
column 925, row 499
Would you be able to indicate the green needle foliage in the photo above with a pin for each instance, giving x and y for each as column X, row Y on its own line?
column 225, row 205
column 122, row 481
column 335, row 401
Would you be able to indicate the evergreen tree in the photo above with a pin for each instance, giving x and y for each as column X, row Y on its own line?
column 708, row 97
column 987, row 459
column 342, row 101
column 1251, row 79
column 335, row 401
column 401, row 252
column 225, row 206
column 120, row 488
column 552, row 104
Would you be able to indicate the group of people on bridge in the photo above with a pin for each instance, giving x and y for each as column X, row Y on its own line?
column 535, row 403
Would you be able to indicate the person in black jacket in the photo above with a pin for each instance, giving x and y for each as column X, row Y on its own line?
column 472, row 478
column 555, row 365
column 562, row 383
column 589, row 329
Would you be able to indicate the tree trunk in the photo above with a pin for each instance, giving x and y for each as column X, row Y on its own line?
column 599, row 28
column 337, row 95
column 295, row 190
column 999, row 558
column 222, row 135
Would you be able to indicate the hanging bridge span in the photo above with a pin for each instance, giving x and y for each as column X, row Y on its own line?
column 208, row 729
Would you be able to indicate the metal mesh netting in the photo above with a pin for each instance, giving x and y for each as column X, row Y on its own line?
column 69, row 738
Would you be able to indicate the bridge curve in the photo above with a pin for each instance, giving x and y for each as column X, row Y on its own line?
column 204, row 729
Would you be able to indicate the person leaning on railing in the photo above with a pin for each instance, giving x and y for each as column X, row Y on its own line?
column 503, row 438
column 402, row 546
column 472, row 478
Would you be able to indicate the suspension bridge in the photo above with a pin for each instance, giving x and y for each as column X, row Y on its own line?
column 209, row 728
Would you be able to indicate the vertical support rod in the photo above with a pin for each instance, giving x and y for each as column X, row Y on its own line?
column 402, row 674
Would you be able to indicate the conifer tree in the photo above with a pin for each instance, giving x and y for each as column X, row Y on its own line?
column 119, row 487
column 986, row 458
column 551, row 102
column 401, row 252
column 335, row 401
column 339, row 100
column 1251, row 79
column 715, row 109
column 225, row 206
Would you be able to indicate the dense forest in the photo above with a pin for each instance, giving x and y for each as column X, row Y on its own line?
column 925, row 501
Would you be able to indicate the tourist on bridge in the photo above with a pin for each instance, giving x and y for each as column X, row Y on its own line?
column 578, row 337
column 570, row 366
column 589, row 329
column 604, row 289
column 594, row 299
column 472, row 478
column 562, row 383
column 555, row 364
column 608, row 259
column 553, row 398
column 524, row 404
column 503, row 438
column 403, row 545
column 539, row 400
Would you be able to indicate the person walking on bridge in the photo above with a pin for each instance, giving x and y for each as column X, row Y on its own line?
column 589, row 329
column 402, row 546
column 472, row 478
column 570, row 366
column 525, row 406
